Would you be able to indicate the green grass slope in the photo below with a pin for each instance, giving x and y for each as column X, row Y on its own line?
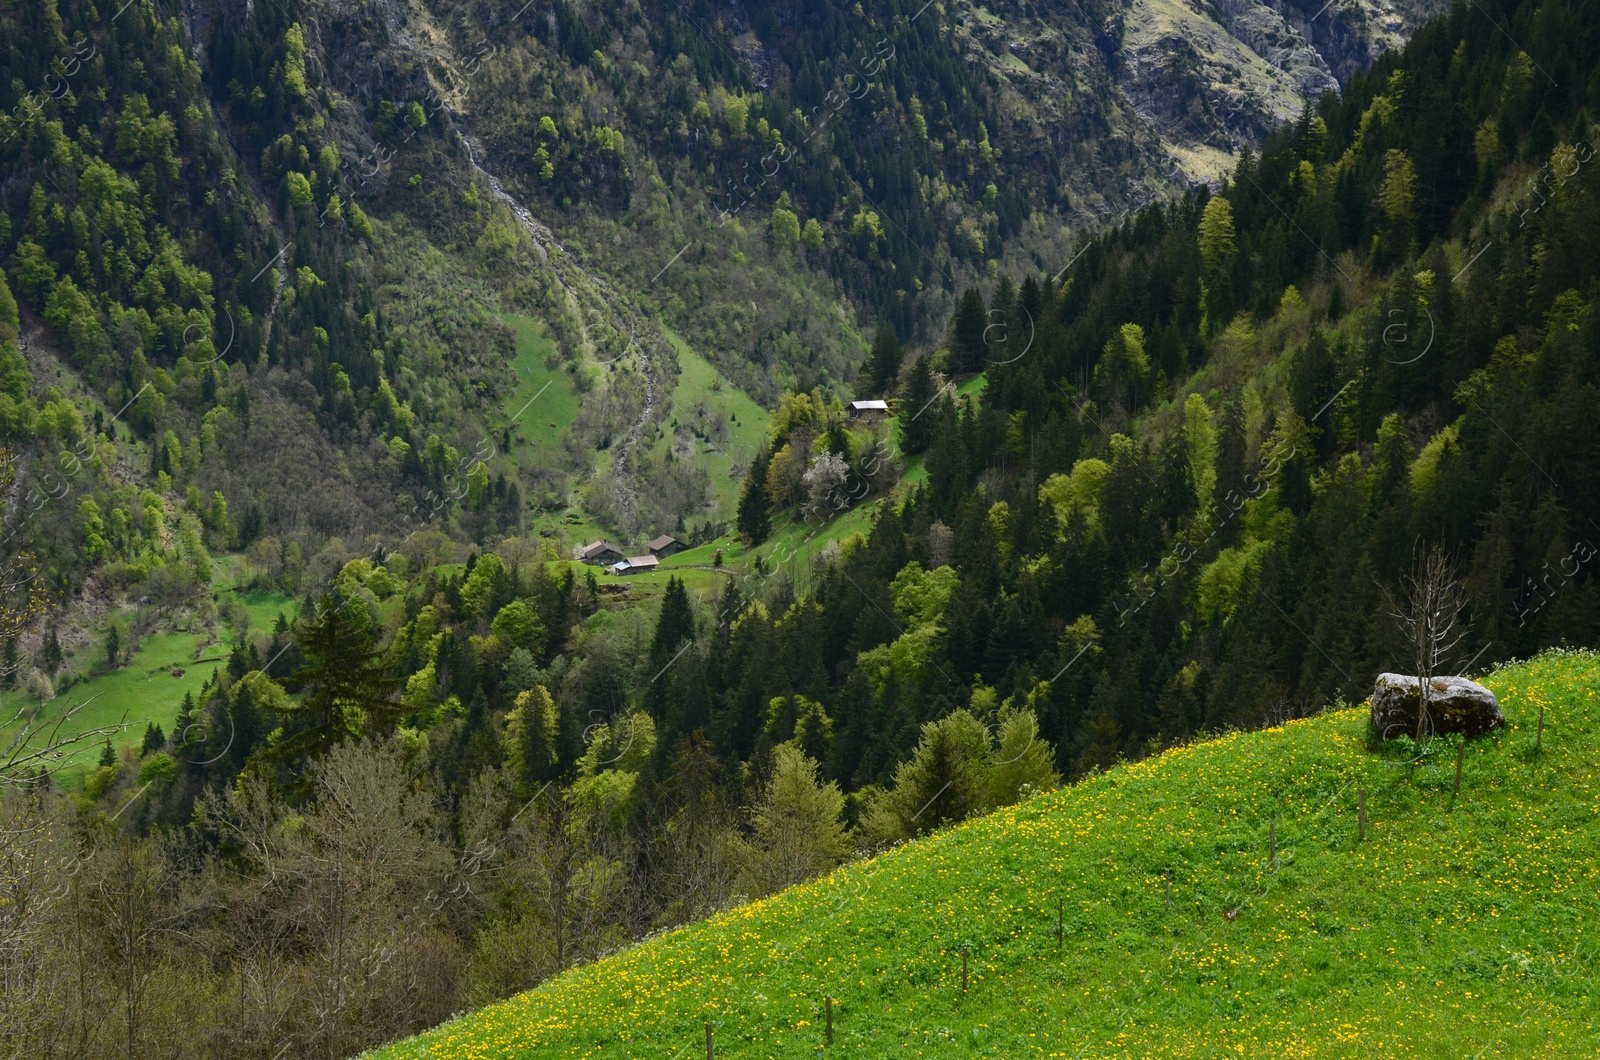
column 1461, row 925
column 146, row 689
column 702, row 396
column 544, row 402
column 149, row 686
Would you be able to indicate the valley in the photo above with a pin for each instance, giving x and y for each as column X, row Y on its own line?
column 623, row 528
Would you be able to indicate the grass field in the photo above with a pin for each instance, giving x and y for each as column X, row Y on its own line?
column 791, row 547
column 548, row 403
column 701, row 384
column 146, row 688
column 973, row 388
column 1460, row 926
column 143, row 691
column 544, row 402
column 701, row 582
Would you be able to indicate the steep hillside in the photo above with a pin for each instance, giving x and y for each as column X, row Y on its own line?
column 341, row 179
column 368, row 312
column 657, row 143
column 1459, row 925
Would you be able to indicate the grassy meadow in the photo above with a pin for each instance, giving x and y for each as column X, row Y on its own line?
column 1461, row 925
column 701, row 394
column 150, row 685
column 544, row 402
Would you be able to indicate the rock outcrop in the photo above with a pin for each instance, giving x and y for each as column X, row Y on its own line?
column 1454, row 705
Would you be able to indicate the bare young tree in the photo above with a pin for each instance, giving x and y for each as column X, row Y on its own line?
column 246, row 924
column 1427, row 612
column 35, row 746
column 129, row 909
column 565, row 895
column 32, row 849
column 375, row 848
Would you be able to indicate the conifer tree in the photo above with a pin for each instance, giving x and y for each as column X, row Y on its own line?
column 674, row 627
column 1216, row 236
column 947, row 459
column 916, row 415
column 1230, row 489
column 1003, row 311
column 52, row 652
column 349, row 688
column 1023, row 762
column 1312, row 384
column 180, row 727
column 968, row 350
column 531, row 730
column 1177, row 482
column 755, row 520
column 945, row 781
column 883, row 364
column 797, row 828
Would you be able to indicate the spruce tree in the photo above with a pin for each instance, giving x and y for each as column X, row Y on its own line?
column 349, row 688
column 1313, row 382
column 1230, row 489
column 1178, row 497
column 755, row 520
column 180, row 727
column 883, row 364
column 968, row 349
column 233, row 732
column 916, row 414
column 674, row 627
column 947, row 459
column 1010, row 333
column 944, row 781
column 1294, row 484
column 531, row 732
column 797, row 830
column 52, row 652
column 473, row 747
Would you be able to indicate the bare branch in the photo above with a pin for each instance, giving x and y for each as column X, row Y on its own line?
column 1427, row 612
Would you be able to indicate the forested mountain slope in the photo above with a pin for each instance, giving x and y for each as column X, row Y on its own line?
column 326, row 307
column 351, row 178
column 1199, row 459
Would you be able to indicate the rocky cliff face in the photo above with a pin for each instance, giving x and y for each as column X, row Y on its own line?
column 1210, row 76
column 1193, row 80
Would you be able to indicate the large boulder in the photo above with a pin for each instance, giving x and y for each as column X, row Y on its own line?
column 1454, row 705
